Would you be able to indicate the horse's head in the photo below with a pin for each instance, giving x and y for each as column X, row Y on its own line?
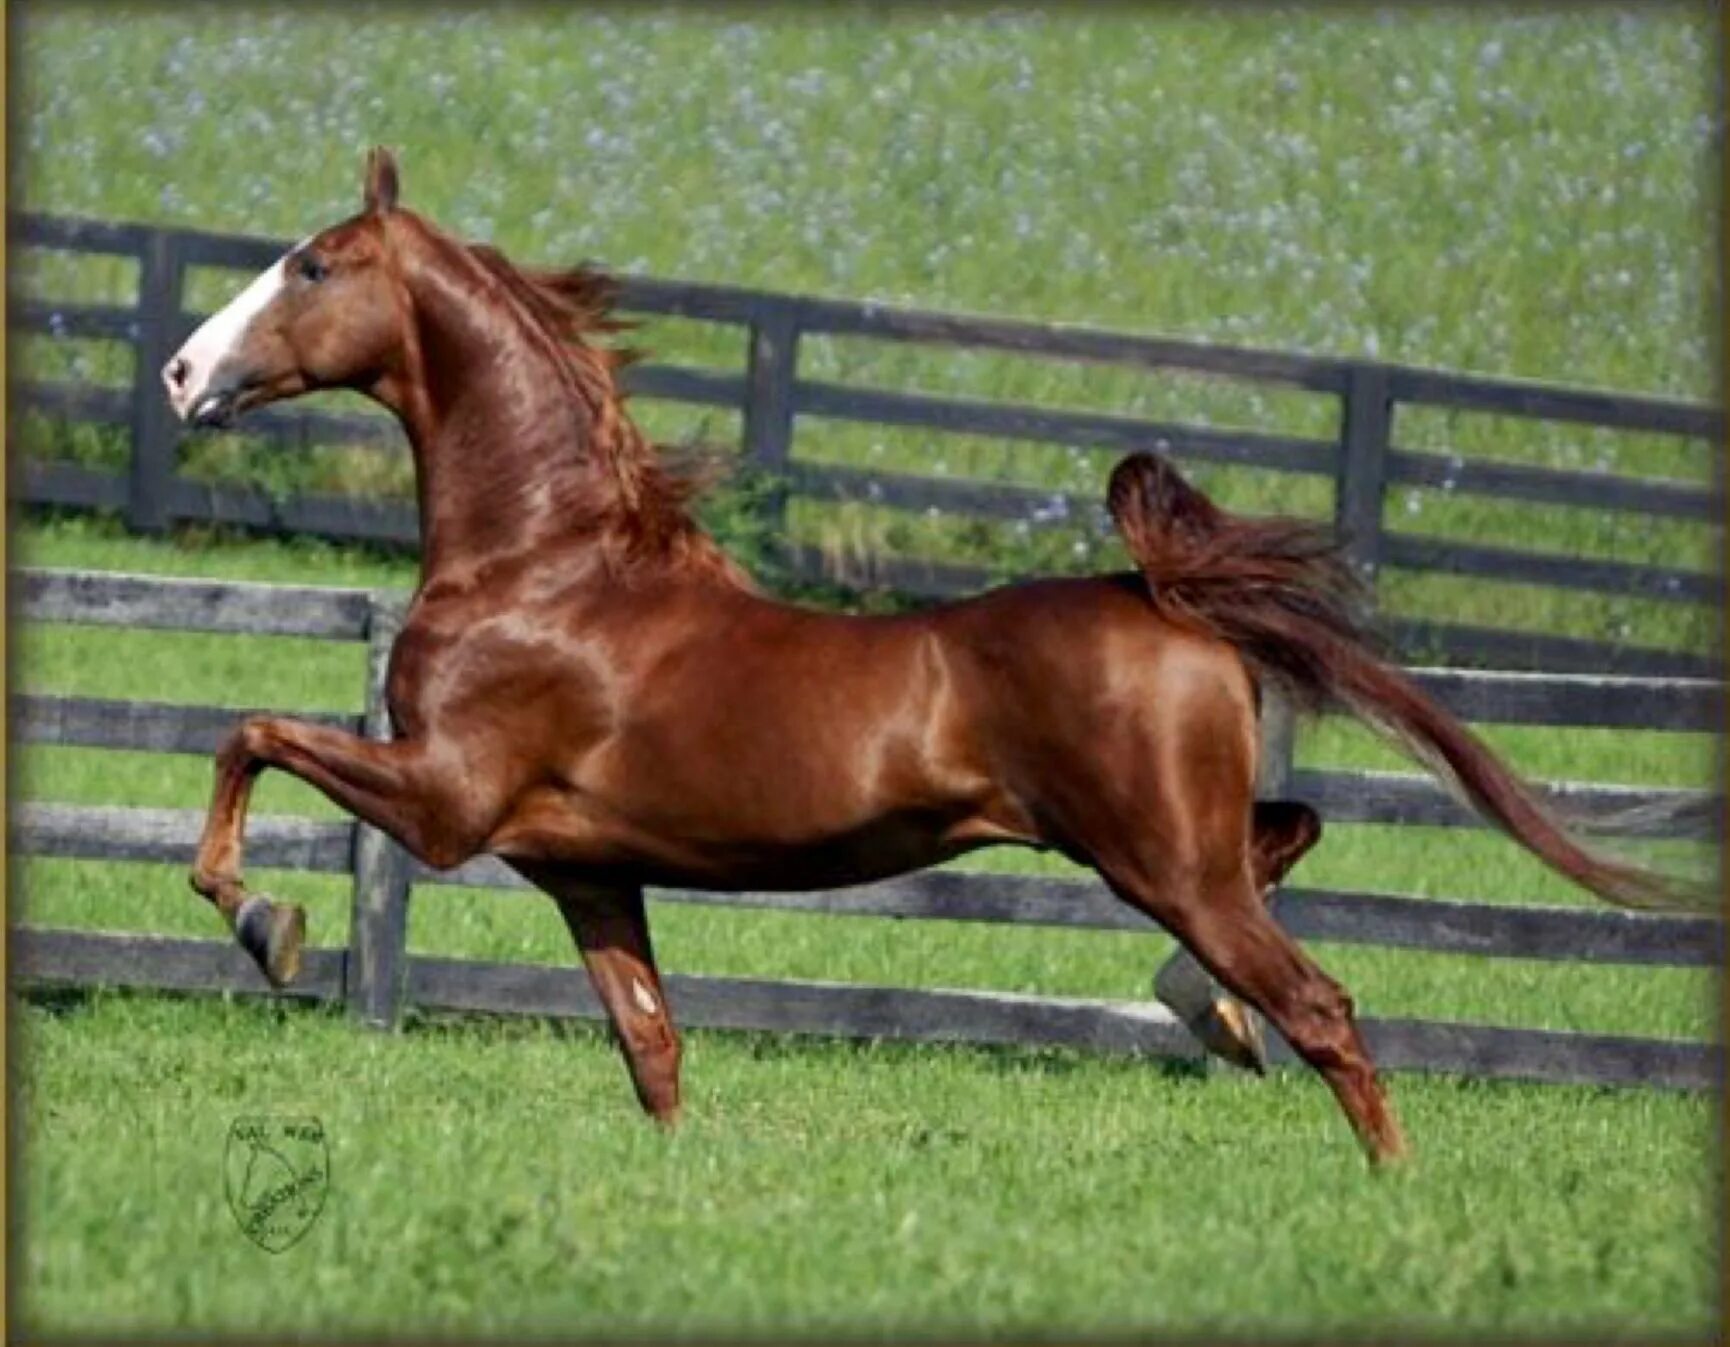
column 329, row 314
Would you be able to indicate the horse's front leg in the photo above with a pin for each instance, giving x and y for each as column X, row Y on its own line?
column 402, row 787
column 611, row 929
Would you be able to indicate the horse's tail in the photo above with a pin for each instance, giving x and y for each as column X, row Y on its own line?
column 1282, row 593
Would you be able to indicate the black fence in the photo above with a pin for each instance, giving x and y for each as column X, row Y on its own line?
column 377, row 978
column 1362, row 460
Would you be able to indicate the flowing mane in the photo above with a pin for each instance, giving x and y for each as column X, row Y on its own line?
column 648, row 515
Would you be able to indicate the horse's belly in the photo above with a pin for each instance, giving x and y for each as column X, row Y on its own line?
column 876, row 852
column 785, row 774
column 706, row 844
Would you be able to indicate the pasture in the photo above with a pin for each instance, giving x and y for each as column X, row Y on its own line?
column 1449, row 205
column 494, row 1179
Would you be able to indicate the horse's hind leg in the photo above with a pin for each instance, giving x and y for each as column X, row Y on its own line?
column 611, row 929
column 1214, row 908
column 1282, row 832
column 1282, row 835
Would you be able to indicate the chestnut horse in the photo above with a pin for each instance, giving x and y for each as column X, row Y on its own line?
column 586, row 687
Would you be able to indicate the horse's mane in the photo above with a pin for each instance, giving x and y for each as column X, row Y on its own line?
column 648, row 515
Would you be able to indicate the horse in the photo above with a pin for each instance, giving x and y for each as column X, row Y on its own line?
column 588, row 688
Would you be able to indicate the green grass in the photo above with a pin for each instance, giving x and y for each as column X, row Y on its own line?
column 490, row 1178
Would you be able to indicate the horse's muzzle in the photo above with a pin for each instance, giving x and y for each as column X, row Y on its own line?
column 213, row 411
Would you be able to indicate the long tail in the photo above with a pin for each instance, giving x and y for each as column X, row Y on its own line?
column 1280, row 590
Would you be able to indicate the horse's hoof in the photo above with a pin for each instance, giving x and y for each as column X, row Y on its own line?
column 273, row 934
column 1220, row 1023
column 1229, row 1030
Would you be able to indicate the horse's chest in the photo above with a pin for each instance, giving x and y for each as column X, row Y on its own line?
column 484, row 677
column 420, row 666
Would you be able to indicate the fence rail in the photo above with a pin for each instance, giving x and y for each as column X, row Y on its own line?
column 377, row 978
column 1362, row 460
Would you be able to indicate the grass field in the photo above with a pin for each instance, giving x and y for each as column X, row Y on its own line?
column 486, row 1179
column 1521, row 195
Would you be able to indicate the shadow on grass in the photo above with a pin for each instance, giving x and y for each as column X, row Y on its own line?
column 58, row 1002
column 1003, row 1058
column 767, row 1046
column 66, row 1002
column 759, row 1045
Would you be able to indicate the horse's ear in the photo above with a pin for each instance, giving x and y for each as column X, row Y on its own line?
column 381, row 180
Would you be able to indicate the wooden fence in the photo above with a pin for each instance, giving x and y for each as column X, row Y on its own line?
column 1362, row 461
column 377, row 978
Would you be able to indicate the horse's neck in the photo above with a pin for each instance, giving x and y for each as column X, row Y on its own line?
column 506, row 458
column 493, row 477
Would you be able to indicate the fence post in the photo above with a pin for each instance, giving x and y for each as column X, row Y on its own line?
column 1362, row 484
column 771, row 366
column 769, row 372
column 378, row 925
column 154, row 431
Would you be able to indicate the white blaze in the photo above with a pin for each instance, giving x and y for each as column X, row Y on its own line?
column 189, row 374
column 645, row 998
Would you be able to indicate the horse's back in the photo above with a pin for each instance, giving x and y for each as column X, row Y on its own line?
column 1052, row 647
column 1097, row 636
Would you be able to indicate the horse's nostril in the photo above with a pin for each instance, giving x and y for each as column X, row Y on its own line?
column 176, row 372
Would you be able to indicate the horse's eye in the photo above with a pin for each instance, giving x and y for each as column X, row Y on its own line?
column 309, row 267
